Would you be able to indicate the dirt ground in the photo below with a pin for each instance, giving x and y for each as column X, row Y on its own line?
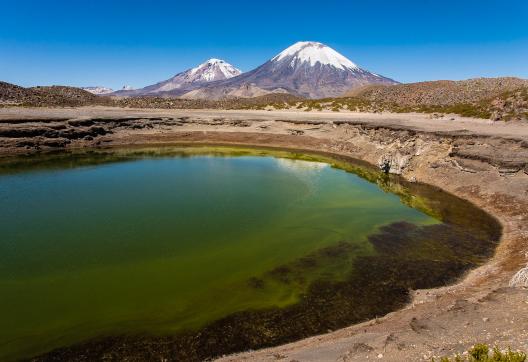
column 416, row 121
column 485, row 163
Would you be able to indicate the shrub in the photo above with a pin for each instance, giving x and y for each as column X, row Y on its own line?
column 481, row 353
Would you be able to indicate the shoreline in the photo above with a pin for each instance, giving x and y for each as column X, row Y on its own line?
column 479, row 162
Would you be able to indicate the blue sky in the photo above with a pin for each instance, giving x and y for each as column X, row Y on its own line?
column 113, row 43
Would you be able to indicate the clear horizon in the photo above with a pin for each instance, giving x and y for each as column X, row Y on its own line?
column 139, row 43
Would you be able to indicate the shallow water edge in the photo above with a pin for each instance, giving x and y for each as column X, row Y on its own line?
column 469, row 232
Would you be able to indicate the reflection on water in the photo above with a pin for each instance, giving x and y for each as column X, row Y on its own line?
column 205, row 251
column 301, row 165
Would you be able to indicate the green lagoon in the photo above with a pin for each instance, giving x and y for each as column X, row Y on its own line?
column 170, row 241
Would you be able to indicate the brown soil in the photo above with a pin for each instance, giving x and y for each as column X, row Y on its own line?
column 484, row 163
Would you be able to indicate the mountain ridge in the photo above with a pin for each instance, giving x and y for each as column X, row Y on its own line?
column 209, row 71
column 307, row 69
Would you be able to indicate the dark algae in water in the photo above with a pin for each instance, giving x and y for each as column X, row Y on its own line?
column 191, row 253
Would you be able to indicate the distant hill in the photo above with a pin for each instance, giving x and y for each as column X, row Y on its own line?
column 494, row 98
column 51, row 96
column 440, row 93
column 12, row 94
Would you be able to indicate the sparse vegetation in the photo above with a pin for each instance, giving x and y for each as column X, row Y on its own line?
column 482, row 353
column 53, row 96
column 493, row 98
column 506, row 106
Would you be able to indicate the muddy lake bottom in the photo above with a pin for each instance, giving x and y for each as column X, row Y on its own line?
column 189, row 253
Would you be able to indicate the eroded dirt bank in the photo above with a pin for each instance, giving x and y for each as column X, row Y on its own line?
column 486, row 164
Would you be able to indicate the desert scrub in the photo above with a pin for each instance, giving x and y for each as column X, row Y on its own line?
column 465, row 110
column 481, row 353
column 282, row 105
column 468, row 110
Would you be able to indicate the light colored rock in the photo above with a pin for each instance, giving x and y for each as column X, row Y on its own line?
column 520, row 279
column 393, row 162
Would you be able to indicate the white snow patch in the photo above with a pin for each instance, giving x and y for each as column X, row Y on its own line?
column 98, row 90
column 313, row 53
column 209, row 70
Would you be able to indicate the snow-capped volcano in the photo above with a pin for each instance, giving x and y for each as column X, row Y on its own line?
column 209, row 71
column 213, row 69
column 313, row 53
column 309, row 69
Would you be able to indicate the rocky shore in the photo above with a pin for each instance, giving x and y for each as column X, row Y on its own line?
column 484, row 163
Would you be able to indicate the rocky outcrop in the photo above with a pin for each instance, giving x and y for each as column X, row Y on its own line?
column 520, row 279
column 393, row 162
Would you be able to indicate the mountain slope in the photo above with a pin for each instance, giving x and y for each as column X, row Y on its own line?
column 307, row 69
column 440, row 92
column 209, row 71
column 487, row 98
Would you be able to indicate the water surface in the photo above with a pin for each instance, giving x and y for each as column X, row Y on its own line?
column 172, row 241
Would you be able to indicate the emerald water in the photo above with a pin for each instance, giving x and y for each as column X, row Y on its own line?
column 168, row 241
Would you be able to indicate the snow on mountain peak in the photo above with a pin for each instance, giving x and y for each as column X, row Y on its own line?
column 208, row 71
column 313, row 53
column 213, row 61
